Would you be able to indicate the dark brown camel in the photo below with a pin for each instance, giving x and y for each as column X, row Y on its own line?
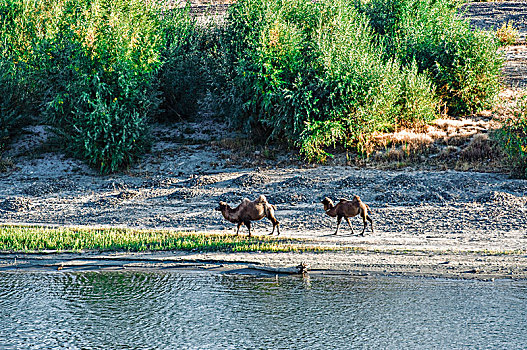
column 249, row 211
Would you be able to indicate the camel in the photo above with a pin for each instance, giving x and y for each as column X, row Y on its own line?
column 249, row 211
column 347, row 209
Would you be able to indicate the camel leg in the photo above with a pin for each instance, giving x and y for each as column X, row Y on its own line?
column 371, row 222
column 238, row 230
column 365, row 224
column 248, row 224
column 339, row 218
column 275, row 224
column 349, row 224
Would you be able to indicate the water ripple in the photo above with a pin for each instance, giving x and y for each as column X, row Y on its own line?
column 168, row 310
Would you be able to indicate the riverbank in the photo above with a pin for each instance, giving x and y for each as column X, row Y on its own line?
column 366, row 262
column 323, row 255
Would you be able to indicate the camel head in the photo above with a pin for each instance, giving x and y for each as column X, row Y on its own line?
column 222, row 206
column 328, row 203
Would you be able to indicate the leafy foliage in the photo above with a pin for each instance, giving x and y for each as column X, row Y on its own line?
column 16, row 99
column 311, row 73
column 513, row 139
column 10, row 111
column 95, row 68
column 182, row 78
column 98, row 72
column 463, row 63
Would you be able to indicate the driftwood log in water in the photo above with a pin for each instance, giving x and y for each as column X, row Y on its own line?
column 291, row 270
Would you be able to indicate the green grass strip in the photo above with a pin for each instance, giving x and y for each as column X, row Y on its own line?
column 36, row 238
column 18, row 238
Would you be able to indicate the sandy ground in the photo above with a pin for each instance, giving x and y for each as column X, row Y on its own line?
column 457, row 224
column 427, row 223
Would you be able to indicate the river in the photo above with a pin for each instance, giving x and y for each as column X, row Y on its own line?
column 198, row 310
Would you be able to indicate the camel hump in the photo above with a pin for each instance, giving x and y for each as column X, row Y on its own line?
column 269, row 209
column 343, row 200
column 261, row 199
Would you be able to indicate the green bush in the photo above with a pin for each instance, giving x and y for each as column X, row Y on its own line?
column 513, row 139
column 10, row 114
column 100, row 69
column 311, row 74
column 16, row 96
column 464, row 64
column 182, row 77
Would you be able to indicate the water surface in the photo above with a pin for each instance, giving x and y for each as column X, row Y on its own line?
column 184, row 310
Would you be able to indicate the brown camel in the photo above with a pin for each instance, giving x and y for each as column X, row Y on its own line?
column 347, row 209
column 249, row 211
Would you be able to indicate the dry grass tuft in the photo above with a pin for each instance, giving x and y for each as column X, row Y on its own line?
column 410, row 141
column 507, row 34
column 462, row 144
column 449, row 153
column 237, row 144
column 243, row 151
column 480, row 148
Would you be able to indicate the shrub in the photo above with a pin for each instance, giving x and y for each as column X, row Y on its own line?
column 182, row 77
column 9, row 111
column 513, row 139
column 94, row 67
column 464, row 64
column 311, row 74
column 268, row 65
column 16, row 94
column 98, row 65
column 507, row 34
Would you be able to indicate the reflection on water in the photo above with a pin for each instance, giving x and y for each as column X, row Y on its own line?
column 152, row 310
